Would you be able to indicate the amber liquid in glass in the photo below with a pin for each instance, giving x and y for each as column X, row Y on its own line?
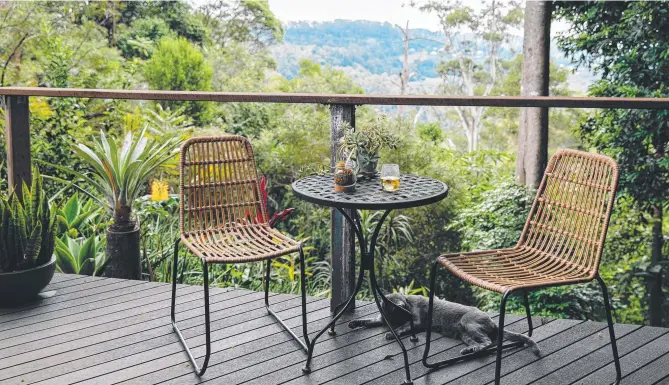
column 390, row 183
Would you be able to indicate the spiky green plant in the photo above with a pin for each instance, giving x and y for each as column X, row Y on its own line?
column 121, row 171
column 81, row 256
column 27, row 230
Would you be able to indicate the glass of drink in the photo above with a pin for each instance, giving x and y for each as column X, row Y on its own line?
column 390, row 177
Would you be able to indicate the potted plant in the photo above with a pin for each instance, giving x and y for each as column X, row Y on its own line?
column 362, row 144
column 27, row 238
column 120, row 172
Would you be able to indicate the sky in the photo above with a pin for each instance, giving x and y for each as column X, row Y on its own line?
column 392, row 11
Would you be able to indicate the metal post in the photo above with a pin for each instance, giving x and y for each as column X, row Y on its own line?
column 341, row 233
column 17, row 136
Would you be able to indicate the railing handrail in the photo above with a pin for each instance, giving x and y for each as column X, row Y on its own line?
column 346, row 99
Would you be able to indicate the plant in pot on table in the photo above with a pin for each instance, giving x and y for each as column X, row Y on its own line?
column 363, row 143
column 120, row 173
column 27, row 228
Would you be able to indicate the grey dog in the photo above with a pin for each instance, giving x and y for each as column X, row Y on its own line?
column 476, row 329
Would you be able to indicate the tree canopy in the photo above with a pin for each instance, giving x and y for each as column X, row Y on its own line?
column 627, row 44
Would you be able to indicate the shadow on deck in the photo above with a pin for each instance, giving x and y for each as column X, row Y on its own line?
column 107, row 331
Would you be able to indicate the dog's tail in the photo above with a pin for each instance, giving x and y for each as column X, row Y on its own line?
column 517, row 337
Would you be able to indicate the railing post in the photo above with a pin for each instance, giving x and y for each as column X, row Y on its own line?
column 341, row 234
column 17, row 136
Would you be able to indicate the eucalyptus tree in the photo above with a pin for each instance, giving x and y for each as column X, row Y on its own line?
column 472, row 65
column 250, row 22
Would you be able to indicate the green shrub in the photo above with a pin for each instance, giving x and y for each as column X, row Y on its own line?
column 178, row 65
column 496, row 221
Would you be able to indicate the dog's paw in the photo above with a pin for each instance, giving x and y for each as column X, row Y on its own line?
column 355, row 324
column 389, row 336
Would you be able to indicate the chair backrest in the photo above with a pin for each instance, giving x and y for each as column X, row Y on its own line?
column 219, row 184
column 570, row 215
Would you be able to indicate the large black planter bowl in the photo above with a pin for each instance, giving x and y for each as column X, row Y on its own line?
column 19, row 287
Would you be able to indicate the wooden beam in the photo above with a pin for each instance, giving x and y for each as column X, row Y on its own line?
column 532, row 156
column 17, row 136
column 342, row 241
column 390, row 100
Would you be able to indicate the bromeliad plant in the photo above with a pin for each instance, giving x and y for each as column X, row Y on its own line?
column 27, row 230
column 277, row 218
column 120, row 172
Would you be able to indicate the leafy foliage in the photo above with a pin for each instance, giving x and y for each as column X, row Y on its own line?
column 76, row 218
column 178, row 65
column 80, row 256
column 496, row 221
column 626, row 43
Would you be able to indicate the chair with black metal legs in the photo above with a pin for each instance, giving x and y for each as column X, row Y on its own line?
column 561, row 244
column 223, row 219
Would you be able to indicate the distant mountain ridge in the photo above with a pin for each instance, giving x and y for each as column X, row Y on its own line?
column 372, row 52
column 376, row 47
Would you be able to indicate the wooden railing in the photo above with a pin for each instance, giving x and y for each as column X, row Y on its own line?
column 342, row 109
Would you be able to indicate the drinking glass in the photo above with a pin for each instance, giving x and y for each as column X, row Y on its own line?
column 390, row 177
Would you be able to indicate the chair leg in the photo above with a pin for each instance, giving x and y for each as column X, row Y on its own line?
column 612, row 335
column 500, row 338
column 205, row 273
column 428, row 334
column 528, row 314
column 303, row 289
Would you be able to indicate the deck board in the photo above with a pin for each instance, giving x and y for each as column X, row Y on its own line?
column 90, row 330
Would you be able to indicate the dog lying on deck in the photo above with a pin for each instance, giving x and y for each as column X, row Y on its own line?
column 474, row 327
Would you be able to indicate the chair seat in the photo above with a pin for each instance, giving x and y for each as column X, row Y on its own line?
column 242, row 243
column 511, row 269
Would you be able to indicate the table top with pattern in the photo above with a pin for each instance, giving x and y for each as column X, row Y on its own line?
column 369, row 195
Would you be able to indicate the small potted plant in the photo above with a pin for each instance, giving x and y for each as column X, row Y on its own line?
column 344, row 178
column 27, row 239
column 362, row 144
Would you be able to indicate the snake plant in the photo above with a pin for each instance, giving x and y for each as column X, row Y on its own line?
column 27, row 228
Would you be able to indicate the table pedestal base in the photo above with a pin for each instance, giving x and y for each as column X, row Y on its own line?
column 366, row 264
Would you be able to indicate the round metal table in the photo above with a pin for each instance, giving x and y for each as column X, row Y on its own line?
column 414, row 191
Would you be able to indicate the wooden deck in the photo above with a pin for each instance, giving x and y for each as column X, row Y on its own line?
column 109, row 331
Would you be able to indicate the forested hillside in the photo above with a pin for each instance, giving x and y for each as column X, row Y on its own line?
column 231, row 45
column 372, row 51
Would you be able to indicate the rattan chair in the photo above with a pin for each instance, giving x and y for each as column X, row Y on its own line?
column 223, row 219
column 561, row 244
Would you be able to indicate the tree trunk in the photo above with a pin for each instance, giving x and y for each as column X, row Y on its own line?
column 655, row 282
column 404, row 75
column 532, row 156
